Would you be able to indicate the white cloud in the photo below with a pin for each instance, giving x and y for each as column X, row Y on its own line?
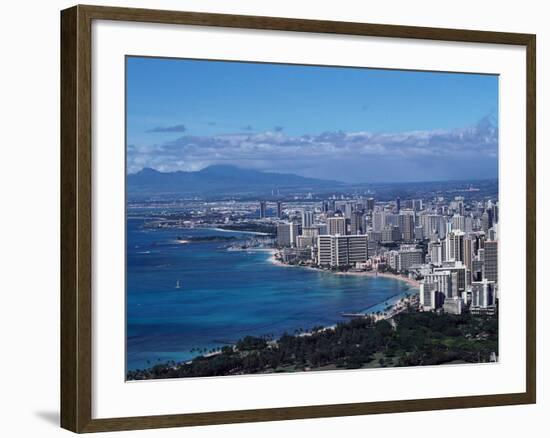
column 277, row 151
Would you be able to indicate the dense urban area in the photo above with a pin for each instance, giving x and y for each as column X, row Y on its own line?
column 443, row 241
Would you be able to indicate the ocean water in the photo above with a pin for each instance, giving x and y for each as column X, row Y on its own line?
column 226, row 295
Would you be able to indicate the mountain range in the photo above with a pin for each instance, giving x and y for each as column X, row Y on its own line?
column 219, row 180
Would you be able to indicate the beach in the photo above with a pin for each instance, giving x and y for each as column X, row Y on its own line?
column 410, row 281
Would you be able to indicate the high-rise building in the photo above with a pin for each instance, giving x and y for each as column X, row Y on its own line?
column 490, row 216
column 483, row 293
column 392, row 219
column 375, row 236
column 478, row 241
column 311, row 232
column 349, row 208
column 378, row 220
column 391, row 259
column 468, row 258
column 485, row 222
column 336, row 225
column 398, row 205
column 324, row 250
column 406, row 225
column 433, row 224
column 390, row 234
column 453, row 305
column 279, row 209
column 444, row 282
column 495, row 214
column 459, row 200
column 409, row 257
column 490, row 262
column 342, row 250
column 305, row 241
column 435, row 250
column 430, row 297
column 477, row 269
column 458, row 223
column 263, row 210
column 468, row 224
column 356, row 247
column 307, row 219
column 356, row 223
column 426, row 295
column 459, row 270
column 283, row 235
column 369, row 204
column 287, row 233
column 455, row 246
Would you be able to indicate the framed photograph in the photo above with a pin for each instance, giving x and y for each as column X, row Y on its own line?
column 269, row 218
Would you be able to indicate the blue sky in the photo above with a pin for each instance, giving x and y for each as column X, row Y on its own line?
column 349, row 124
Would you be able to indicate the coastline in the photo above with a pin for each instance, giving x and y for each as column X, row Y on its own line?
column 411, row 282
column 386, row 309
column 255, row 233
column 383, row 310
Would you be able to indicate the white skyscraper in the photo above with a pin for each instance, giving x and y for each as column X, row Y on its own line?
column 483, row 293
column 287, row 233
column 324, row 250
column 459, row 202
column 336, row 225
column 455, row 246
column 458, row 223
column 433, row 224
column 435, row 249
column 444, row 282
column 378, row 220
column 307, row 219
column 468, row 224
column 428, row 296
column 342, row 250
column 406, row 225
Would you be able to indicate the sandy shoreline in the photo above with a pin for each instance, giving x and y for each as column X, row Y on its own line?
column 411, row 282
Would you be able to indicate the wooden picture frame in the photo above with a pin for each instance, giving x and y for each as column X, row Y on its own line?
column 76, row 217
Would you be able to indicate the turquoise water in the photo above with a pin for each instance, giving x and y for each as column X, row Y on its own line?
column 225, row 295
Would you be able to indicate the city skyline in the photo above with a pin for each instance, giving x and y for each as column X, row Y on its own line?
column 347, row 124
column 441, row 246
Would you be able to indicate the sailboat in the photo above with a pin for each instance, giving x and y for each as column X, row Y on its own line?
column 178, row 286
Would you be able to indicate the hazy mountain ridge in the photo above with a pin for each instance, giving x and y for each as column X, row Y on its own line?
column 218, row 179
